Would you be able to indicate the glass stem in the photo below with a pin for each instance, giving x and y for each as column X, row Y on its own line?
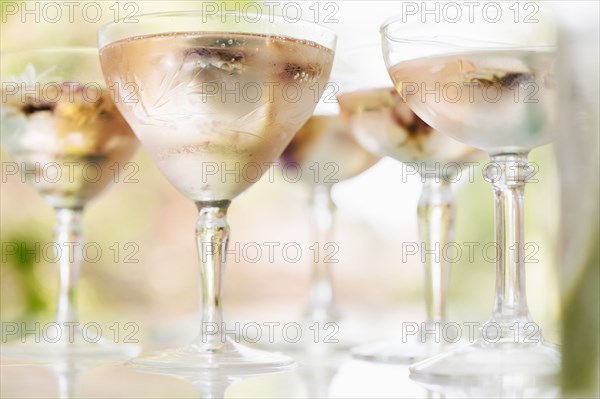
column 321, row 305
column 436, row 220
column 211, row 389
column 68, row 236
column 67, row 378
column 508, row 177
column 212, row 236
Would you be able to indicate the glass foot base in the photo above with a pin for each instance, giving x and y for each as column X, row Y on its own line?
column 311, row 336
column 398, row 352
column 487, row 363
column 228, row 356
column 495, row 390
column 48, row 352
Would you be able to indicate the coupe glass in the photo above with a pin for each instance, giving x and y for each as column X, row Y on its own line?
column 490, row 85
column 216, row 98
column 326, row 153
column 65, row 134
column 384, row 125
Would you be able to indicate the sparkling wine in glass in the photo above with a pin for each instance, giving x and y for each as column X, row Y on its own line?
column 384, row 124
column 67, row 138
column 492, row 86
column 326, row 153
column 214, row 94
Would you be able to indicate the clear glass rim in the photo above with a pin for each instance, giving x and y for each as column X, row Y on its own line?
column 260, row 18
column 436, row 39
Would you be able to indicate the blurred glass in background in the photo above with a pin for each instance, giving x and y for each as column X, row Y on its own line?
column 578, row 156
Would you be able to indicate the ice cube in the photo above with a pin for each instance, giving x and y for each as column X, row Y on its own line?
column 225, row 60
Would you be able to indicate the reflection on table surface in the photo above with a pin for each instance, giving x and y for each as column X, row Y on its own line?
column 326, row 375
